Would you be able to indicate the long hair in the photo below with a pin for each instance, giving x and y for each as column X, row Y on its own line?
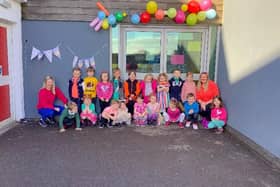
column 45, row 83
column 104, row 73
column 148, row 75
column 163, row 75
column 220, row 99
column 199, row 84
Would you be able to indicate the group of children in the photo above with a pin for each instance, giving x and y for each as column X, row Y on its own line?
column 148, row 102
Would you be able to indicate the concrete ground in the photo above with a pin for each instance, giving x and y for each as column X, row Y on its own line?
column 127, row 157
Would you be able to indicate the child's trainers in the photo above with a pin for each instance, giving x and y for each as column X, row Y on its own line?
column 188, row 124
column 195, row 126
column 167, row 123
column 181, row 125
column 78, row 129
column 42, row 123
column 62, row 130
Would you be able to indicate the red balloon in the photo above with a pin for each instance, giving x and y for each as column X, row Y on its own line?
column 145, row 17
column 193, row 7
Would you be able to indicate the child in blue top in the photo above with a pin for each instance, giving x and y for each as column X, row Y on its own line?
column 191, row 111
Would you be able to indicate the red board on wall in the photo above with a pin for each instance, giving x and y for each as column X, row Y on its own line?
column 4, row 51
column 5, row 112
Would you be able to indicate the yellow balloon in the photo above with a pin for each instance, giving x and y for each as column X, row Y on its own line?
column 184, row 7
column 105, row 24
column 124, row 14
column 151, row 7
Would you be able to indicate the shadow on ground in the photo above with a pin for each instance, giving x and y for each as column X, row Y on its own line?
column 150, row 156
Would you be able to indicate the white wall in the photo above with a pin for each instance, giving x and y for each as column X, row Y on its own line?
column 11, row 19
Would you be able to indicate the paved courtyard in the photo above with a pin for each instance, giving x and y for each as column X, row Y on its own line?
column 127, row 157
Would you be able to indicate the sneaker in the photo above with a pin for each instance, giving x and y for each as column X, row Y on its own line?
column 42, row 123
column 195, row 127
column 181, row 125
column 101, row 126
column 78, row 129
column 167, row 123
column 50, row 121
column 109, row 126
column 188, row 124
column 62, row 130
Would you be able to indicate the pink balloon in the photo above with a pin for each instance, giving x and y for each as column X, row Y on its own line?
column 205, row 4
column 180, row 17
column 94, row 22
column 159, row 14
column 98, row 26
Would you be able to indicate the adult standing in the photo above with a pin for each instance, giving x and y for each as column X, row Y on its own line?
column 206, row 91
column 46, row 98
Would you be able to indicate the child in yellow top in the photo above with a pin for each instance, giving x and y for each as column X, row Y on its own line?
column 90, row 83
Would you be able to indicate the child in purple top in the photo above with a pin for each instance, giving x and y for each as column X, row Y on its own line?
column 174, row 114
column 140, row 112
column 218, row 115
column 104, row 91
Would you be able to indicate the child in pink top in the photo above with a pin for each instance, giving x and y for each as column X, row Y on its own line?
column 188, row 87
column 174, row 114
column 218, row 115
column 148, row 87
column 109, row 115
column 88, row 114
column 153, row 109
column 140, row 112
column 104, row 91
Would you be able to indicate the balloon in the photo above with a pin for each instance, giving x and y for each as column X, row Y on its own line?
column 112, row 19
column 119, row 16
column 191, row 19
column 211, row 14
column 105, row 24
column 193, row 6
column 201, row 16
column 102, row 8
column 135, row 19
column 180, row 17
column 151, row 7
column 171, row 13
column 124, row 14
column 101, row 15
column 184, row 7
column 94, row 22
column 98, row 26
column 145, row 17
column 159, row 14
column 205, row 4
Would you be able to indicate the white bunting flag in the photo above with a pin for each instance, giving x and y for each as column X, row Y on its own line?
column 92, row 62
column 75, row 61
column 56, row 52
column 80, row 63
column 87, row 62
column 49, row 55
column 35, row 53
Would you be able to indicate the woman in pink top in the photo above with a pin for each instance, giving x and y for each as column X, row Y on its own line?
column 174, row 114
column 46, row 98
column 188, row 87
column 218, row 115
column 148, row 87
column 104, row 91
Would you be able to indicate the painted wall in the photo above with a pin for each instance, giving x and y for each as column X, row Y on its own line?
column 10, row 18
column 248, row 72
column 74, row 37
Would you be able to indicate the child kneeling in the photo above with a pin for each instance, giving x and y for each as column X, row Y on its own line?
column 109, row 115
column 191, row 111
column 123, row 117
column 153, row 108
column 88, row 114
column 140, row 112
column 174, row 114
column 69, row 117
column 218, row 115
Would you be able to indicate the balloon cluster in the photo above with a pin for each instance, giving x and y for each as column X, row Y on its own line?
column 104, row 19
column 190, row 13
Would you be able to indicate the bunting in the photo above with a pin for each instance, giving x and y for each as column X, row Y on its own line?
column 39, row 54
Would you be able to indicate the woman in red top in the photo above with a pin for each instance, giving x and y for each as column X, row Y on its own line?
column 206, row 91
column 46, row 98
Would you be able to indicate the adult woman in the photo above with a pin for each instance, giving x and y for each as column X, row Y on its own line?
column 131, row 91
column 46, row 98
column 206, row 91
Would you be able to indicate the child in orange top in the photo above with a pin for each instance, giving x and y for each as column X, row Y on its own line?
column 75, row 88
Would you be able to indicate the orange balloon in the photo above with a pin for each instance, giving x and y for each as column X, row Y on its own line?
column 159, row 14
column 102, row 8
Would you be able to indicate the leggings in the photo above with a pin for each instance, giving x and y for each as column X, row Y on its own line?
column 50, row 113
column 206, row 113
column 216, row 124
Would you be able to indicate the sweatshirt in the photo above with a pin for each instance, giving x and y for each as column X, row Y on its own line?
column 209, row 94
column 175, row 88
column 194, row 106
column 46, row 98
column 219, row 113
column 188, row 87
column 104, row 90
column 67, row 114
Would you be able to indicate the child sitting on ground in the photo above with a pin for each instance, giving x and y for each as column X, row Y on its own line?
column 174, row 114
column 191, row 111
column 153, row 108
column 109, row 115
column 123, row 117
column 69, row 116
column 218, row 115
column 140, row 112
column 88, row 114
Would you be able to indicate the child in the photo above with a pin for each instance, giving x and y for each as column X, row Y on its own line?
column 163, row 92
column 174, row 114
column 218, row 115
column 90, row 84
column 69, row 116
column 75, row 88
column 88, row 111
column 123, row 117
column 109, row 115
column 148, row 87
column 176, row 84
column 104, row 91
column 188, row 87
column 153, row 108
column 140, row 112
column 191, row 111
column 117, row 84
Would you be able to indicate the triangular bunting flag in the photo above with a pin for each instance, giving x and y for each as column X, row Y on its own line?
column 35, row 53
column 80, row 63
column 49, row 55
column 56, row 52
column 75, row 61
